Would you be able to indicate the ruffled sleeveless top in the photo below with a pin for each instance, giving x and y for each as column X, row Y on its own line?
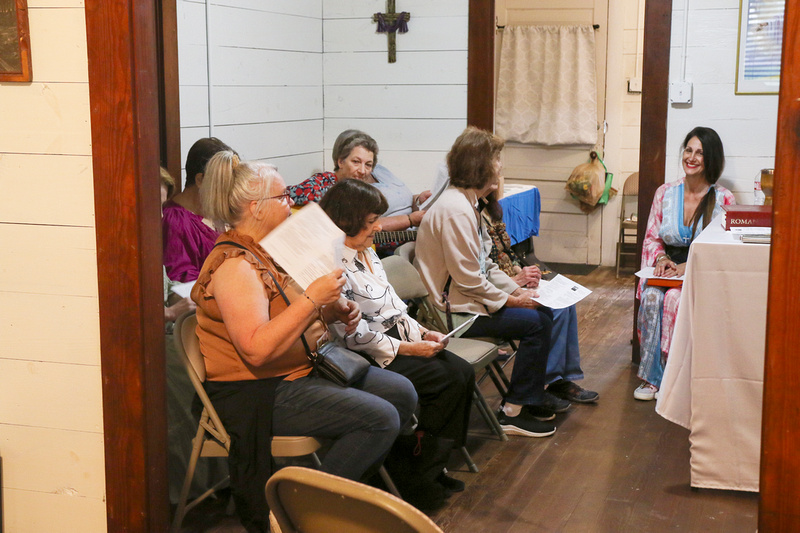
column 223, row 362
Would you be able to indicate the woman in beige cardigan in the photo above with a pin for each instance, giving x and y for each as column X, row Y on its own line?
column 453, row 259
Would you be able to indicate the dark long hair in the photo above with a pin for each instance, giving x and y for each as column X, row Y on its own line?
column 714, row 163
column 200, row 154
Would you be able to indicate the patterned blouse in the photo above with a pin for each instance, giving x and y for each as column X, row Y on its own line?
column 312, row 189
column 381, row 308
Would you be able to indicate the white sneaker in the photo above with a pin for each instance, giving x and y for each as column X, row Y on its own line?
column 645, row 392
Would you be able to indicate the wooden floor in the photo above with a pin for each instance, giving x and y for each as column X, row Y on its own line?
column 614, row 466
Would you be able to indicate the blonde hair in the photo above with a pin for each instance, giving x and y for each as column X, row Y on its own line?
column 167, row 181
column 230, row 184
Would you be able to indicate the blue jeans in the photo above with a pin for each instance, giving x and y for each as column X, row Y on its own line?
column 362, row 420
column 564, row 360
column 532, row 328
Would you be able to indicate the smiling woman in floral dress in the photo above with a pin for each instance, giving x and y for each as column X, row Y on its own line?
column 680, row 211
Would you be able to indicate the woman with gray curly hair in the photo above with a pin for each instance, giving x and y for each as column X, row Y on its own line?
column 355, row 156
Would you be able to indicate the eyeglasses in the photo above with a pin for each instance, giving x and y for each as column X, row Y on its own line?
column 285, row 195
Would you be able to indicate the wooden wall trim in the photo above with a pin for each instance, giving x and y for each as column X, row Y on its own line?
column 169, row 89
column 480, row 70
column 123, row 87
column 655, row 105
column 779, row 509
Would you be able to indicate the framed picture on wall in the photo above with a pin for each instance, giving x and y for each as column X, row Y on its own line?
column 758, row 59
column 15, row 41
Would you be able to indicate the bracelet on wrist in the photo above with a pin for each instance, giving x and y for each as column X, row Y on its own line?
column 410, row 222
column 316, row 307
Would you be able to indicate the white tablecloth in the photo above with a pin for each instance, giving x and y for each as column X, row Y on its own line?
column 713, row 381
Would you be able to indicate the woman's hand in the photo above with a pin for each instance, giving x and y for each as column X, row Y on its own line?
column 420, row 348
column 420, row 199
column 435, row 336
column 326, row 289
column 416, row 217
column 522, row 298
column 345, row 311
column 529, row 277
column 665, row 268
column 184, row 305
column 675, row 271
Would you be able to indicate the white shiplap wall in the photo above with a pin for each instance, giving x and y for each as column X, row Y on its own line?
column 747, row 124
column 266, row 79
column 414, row 108
column 51, row 425
column 288, row 77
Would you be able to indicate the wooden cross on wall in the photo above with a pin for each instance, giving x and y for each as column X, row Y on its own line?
column 390, row 23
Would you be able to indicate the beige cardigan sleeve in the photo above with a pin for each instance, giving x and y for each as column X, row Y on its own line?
column 462, row 257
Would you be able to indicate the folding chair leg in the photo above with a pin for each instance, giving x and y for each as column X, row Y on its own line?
column 387, row 479
column 497, row 382
column 468, row 459
column 197, row 445
column 502, row 375
column 317, row 462
column 484, row 414
column 493, row 423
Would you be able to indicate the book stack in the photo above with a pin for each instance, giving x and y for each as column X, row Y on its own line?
column 749, row 223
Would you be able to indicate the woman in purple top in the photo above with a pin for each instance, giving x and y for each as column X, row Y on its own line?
column 187, row 236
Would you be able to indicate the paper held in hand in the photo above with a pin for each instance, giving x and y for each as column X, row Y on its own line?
column 647, row 273
column 560, row 292
column 462, row 327
column 307, row 246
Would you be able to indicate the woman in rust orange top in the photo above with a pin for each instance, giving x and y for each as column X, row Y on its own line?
column 258, row 375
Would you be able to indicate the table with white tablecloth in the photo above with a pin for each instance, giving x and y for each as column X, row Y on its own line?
column 713, row 381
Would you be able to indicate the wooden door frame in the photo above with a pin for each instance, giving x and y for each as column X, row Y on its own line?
column 480, row 64
column 123, row 91
column 779, row 508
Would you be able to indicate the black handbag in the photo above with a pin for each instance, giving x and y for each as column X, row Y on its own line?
column 332, row 361
column 336, row 363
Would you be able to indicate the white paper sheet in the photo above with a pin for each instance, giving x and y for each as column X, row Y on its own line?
column 308, row 245
column 183, row 289
column 560, row 292
column 647, row 273
column 465, row 325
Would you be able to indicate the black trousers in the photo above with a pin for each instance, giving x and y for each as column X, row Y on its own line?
column 444, row 385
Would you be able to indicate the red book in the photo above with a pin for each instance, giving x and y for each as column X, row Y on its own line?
column 664, row 282
column 742, row 216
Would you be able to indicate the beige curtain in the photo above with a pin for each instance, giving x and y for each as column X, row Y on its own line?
column 546, row 92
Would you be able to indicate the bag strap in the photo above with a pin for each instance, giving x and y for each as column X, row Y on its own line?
column 446, row 300
column 609, row 178
column 309, row 353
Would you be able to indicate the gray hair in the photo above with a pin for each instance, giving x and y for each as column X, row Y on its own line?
column 349, row 139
